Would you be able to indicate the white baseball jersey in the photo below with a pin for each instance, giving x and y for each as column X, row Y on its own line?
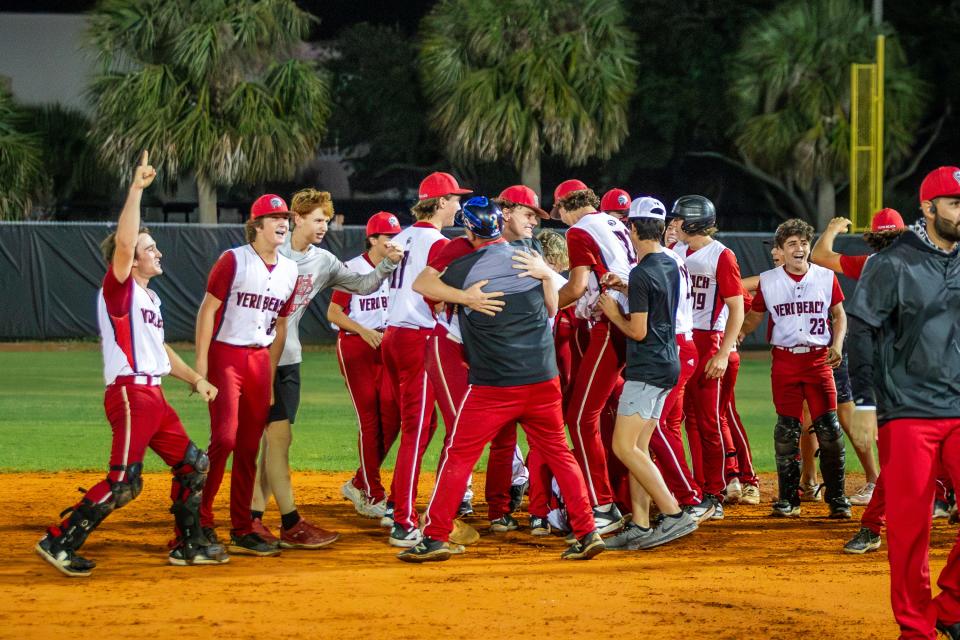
column 407, row 307
column 709, row 310
column 368, row 311
column 318, row 269
column 612, row 251
column 799, row 311
column 685, row 297
column 255, row 299
column 131, row 330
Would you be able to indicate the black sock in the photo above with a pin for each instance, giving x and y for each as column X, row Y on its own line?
column 257, row 515
column 289, row 520
column 675, row 515
column 643, row 528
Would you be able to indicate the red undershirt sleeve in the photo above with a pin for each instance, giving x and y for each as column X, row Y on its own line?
column 221, row 276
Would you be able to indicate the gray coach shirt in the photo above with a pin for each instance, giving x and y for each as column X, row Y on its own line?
column 318, row 269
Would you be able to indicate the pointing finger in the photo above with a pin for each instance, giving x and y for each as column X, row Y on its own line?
column 144, row 158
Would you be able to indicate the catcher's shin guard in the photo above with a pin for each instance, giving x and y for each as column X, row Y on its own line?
column 80, row 520
column 189, row 475
column 786, row 441
column 832, row 454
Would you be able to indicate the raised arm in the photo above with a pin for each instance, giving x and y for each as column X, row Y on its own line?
column 823, row 253
column 350, row 281
column 128, row 226
column 429, row 285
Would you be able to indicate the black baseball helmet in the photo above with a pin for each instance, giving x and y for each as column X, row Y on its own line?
column 697, row 213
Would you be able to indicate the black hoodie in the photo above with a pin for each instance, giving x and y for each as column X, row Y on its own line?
column 905, row 332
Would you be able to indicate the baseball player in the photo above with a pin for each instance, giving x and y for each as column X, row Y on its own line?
column 135, row 359
column 513, row 378
column 410, row 324
column 446, row 360
column 885, row 227
column 666, row 442
column 597, row 243
column 362, row 320
column 717, row 316
column 316, row 270
column 652, row 370
column 241, row 330
column 905, row 370
column 616, row 202
column 807, row 328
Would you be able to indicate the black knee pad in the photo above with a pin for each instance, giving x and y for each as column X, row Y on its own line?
column 786, row 436
column 199, row 464
column 827, row 428
column 130, row 487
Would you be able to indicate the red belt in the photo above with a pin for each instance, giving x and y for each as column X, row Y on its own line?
column 150, row 381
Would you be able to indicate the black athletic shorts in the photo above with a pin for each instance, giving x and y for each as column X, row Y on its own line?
column 841, row 378
column 286, row 394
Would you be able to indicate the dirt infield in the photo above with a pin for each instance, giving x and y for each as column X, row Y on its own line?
column 748, row 576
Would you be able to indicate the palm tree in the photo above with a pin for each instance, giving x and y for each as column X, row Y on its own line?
column 791, row 102
column 522, row 78
column 21, row 171
column 212, row 87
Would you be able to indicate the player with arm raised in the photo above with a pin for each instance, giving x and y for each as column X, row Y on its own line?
column 241, row 329
column 807, row 328
column 135, row 358
column 317, row 269
column 362, row 320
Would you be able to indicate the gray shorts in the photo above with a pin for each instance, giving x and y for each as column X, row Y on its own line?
column 642, row 398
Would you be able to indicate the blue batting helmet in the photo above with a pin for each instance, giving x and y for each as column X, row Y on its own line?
column 483, row 217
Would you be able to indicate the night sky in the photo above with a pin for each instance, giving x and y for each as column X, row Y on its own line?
column 333, row 14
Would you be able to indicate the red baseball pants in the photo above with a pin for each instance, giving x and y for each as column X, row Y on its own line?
column 238, row 417
column 666, row 443
column 702, row 409
column 740, row 464
column 378, row 414
column 404, row 354
column 796, row 377
column 447, row 369
column 484, row 413
column 593, row 384
column 911, row 474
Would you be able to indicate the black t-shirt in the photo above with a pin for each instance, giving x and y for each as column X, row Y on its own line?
column 654, row 289
column 515, row 346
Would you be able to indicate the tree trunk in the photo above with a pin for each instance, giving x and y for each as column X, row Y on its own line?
column 207, row 198
column 530, row 174
column 826, row 203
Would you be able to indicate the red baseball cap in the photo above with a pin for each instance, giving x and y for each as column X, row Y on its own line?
column 524, row 195
column 615, row 200
column 944, row 181
column 564, row 189
column 439, row 184
column 886, row 220
column 383, row 223
column 268, row 205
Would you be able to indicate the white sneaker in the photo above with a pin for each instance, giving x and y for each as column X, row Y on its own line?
column 377, row 509
column 751, row 494
column 357, row 497
column 810, row 492
column 733, row 492
column 862, row 498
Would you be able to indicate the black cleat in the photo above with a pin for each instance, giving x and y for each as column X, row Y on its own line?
column 252, row 545
column 585, row 548
column 466, row 509
column 429, row 550
column 839, row 508
column 66, row 562
column 863, row 542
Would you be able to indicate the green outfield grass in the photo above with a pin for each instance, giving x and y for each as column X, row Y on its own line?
column 51, row 414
